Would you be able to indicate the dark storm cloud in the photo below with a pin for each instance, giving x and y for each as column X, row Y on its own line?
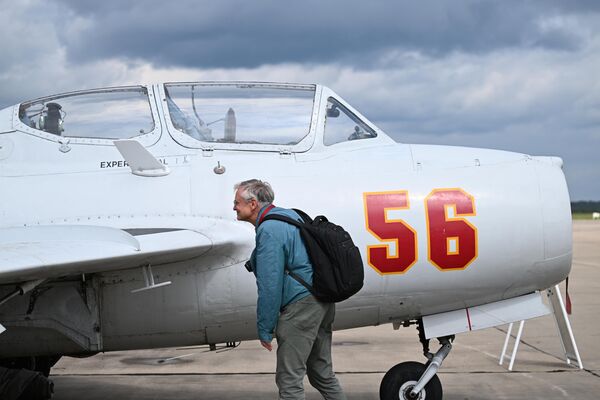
column 247, row 34
column 514, row 75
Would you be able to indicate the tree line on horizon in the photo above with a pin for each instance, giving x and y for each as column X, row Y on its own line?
column 585, row 206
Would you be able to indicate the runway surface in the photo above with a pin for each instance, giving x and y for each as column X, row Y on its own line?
column 361, row 357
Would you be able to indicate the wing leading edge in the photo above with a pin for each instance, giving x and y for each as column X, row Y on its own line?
column 45, row 252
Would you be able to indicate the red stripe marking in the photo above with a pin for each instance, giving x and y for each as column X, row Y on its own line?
column 569, row 308
column 468, row 319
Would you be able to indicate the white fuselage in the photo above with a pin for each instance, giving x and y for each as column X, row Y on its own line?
column 521, row 218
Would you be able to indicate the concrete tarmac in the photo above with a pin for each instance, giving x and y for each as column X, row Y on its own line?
column 362, row 356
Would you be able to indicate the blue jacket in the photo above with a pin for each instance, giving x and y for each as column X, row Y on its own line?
column 278, row 244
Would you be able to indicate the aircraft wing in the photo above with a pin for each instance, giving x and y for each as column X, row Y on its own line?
column 53, row 251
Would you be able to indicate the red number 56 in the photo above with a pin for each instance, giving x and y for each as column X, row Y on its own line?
column 452, row 240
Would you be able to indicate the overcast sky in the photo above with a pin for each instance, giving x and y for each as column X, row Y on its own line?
column 514, row 75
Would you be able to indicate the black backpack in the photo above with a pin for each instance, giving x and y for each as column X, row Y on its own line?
column 337, row 266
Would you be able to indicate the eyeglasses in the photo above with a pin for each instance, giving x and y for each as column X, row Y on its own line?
column 235, row 202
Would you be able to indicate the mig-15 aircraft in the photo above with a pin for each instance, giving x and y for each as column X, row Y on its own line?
column 117, row 230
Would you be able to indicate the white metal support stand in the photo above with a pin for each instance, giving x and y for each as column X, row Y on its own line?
column 564, row 327
column 564, row 332
column 516, row 345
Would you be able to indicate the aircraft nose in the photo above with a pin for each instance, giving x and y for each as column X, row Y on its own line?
column 555, row 207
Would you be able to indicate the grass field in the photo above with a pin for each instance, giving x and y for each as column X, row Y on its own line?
column 582, row 215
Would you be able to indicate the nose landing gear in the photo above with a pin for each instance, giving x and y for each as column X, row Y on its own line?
column 412, row 380
column 399, row 381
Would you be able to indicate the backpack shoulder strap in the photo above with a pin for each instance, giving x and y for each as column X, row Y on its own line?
column 300, row 280
column 299, row 225
column 283, row 218
column 305, row 217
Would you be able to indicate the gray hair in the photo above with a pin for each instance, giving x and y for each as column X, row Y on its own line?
column 256, row 189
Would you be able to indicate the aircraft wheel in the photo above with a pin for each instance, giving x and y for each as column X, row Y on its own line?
column 19, row 363
column 44, row 364
column 400, row 379
column 41, row 364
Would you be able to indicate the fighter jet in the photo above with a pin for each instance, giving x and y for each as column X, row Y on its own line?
column 117, row 230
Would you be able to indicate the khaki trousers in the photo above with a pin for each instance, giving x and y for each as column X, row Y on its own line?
column 304, row 348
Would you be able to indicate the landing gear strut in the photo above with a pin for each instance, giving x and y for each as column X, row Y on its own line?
column 415, row 381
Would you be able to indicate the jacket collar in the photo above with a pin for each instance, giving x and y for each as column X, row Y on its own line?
column 262, row 213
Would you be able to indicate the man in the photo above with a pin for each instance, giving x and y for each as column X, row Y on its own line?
column 302, row 325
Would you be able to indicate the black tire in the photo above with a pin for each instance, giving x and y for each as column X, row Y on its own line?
column 38, row 388
column 44, row 364
column 19, row 363
column 41, row 364
column 404, row 373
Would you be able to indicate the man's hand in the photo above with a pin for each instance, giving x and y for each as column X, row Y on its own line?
column 266, row 345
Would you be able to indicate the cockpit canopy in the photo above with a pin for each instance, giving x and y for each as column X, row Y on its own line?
column 220, row 115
